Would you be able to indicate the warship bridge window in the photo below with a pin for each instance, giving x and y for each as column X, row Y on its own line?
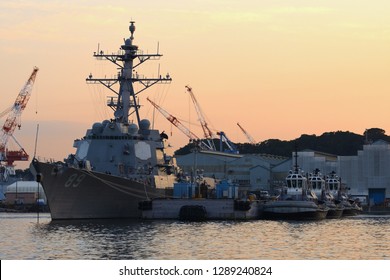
column 300, row 184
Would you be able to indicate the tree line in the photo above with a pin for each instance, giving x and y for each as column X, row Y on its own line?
column 342, row 143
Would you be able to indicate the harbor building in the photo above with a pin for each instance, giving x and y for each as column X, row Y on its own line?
column 368, row 173
column 24, row 192
column 309, row 160
column 365, row 175
column 252, row 172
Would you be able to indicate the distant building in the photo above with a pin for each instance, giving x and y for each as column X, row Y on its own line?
column 212, row 164
column 368, row 173
column 24, row 192
column 251, row 171
column 309, row 160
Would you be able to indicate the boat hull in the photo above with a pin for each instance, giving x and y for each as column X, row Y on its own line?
column 81, row 194
column 292, row 210
column 350, row 209
column 334, row 211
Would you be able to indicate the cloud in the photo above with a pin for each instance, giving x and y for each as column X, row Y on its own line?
column 48, row 21
column 300, row 10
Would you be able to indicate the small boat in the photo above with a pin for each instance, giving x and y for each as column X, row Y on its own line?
column 296, row 201
column 349, row 206
column 318, row 185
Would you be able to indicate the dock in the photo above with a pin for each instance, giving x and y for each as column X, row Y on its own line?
column 200, row 209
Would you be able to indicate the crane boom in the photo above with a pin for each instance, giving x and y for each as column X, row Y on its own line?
column 5, row 112
column 179, row 125
column 174, row 121
column 13, row 121
column 250, row 138
column 208, row 134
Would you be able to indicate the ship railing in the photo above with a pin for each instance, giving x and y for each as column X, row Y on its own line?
column 47, row 160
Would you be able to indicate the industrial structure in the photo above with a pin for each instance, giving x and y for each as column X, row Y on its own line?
column 207, row 143
column 366, row 175
column 207, row 133
column 14, row 120
column 25, row 192
column 248, row 136
column 252, row 172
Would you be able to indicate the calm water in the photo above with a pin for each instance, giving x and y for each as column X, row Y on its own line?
column 360, row 237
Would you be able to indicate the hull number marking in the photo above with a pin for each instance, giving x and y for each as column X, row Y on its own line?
column 74, row 180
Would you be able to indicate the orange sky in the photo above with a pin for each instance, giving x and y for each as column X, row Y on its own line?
column 279, row 68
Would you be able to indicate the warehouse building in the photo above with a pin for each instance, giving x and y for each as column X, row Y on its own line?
column 366, row 175
column 253, row 172
column 25, row 192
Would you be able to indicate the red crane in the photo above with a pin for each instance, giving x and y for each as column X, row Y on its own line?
column 13, row 121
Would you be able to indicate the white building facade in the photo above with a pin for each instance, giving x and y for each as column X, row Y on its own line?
column 368, row 173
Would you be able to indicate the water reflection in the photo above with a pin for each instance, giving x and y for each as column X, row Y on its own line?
column 362, row 237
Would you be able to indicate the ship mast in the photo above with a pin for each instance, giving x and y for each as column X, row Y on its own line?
column 126, row 102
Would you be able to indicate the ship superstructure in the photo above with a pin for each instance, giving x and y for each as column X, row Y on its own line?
column 119, row 146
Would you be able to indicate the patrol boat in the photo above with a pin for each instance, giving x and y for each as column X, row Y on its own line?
column 339, row 192
column 119, row 162
column 320, row 187
column 296, row 202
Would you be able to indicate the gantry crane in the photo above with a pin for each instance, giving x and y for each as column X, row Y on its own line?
column 180, row 126
column 208, row 134
column 224, row 139
column 250, row 138
column 13, row 121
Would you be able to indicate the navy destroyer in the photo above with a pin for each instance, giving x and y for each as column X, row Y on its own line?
column 119, row 162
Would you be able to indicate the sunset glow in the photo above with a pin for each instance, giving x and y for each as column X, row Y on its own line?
column 279, row 68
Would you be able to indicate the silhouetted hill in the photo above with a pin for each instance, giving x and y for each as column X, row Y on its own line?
column 343, row 143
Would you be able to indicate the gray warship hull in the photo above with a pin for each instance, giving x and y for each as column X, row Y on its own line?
column 81, row 194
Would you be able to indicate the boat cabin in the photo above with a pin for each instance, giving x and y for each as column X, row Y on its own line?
column 296, row 185
column 333, row 185
column 317, row 184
